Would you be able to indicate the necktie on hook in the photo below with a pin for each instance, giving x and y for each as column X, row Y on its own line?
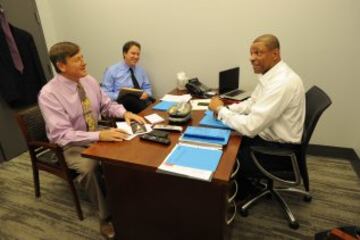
column 14, row 51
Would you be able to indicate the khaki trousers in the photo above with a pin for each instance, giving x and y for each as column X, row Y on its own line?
column 88, row 178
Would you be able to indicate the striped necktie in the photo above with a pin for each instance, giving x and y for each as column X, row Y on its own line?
column 86, row 106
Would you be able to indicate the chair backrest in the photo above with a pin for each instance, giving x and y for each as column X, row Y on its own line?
column 32, row 124
column 316, row 103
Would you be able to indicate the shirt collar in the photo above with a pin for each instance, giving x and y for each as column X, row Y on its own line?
column 70, row 84
column 272, row 71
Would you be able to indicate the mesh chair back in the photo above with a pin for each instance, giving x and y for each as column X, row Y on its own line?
column 316, row 103
column 32, row 124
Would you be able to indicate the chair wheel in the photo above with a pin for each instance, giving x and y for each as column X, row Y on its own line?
column 244, row 212
column 294, row 225
column 307, row 198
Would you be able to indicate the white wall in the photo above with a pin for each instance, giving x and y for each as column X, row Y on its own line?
column 319, row 39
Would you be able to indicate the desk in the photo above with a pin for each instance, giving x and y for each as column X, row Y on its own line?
column 157, row 206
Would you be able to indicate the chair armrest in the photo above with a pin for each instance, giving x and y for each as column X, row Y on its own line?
column 273, row 151
column 279, row 152
column 47, row 145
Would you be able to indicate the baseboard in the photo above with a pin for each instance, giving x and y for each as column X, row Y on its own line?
column 336, row 152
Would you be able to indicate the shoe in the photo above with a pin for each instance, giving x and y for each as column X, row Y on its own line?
column 107, row 230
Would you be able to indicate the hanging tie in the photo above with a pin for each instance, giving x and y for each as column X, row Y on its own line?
column 133, row 78
column 14, row 51
column 86, row 106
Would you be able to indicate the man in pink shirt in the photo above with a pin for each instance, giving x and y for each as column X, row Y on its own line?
column 63, row 110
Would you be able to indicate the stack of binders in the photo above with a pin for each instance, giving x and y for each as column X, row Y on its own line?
column 198, row 153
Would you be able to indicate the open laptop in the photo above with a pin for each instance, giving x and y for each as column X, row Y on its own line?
column 229, row 85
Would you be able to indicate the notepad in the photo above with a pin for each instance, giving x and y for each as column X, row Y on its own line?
column 192, row 161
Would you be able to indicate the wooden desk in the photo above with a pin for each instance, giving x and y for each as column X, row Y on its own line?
column 150, row 205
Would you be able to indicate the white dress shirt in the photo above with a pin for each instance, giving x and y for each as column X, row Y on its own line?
column 276, row 109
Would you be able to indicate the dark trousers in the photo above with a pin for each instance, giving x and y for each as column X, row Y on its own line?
column 248, row 169
column 133, row 103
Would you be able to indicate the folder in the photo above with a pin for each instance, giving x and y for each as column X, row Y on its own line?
column 210, row 121
column 206, row 136
column 192, row 161
column 163, row 105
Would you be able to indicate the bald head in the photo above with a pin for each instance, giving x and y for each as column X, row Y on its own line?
column 270, row 41
column 264, row 53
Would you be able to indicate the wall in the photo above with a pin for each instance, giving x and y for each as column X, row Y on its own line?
column 319, row 39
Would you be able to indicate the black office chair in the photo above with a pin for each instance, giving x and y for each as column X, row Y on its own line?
column 316, row 103
column 44, row 155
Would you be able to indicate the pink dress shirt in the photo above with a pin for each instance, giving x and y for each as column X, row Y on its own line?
column 61, row 108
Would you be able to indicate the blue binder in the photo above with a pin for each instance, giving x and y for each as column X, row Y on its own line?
column 163, row 105
column 195, row 157
column 210, row 121
column 211, row 136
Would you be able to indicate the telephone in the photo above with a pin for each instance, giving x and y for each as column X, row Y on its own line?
column 196, row 88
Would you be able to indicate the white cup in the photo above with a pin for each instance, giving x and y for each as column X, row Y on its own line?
column 181, row 80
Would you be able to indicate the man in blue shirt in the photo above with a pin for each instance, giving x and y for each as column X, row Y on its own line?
column 126, row 74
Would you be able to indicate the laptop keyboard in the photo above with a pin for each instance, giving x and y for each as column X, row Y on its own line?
column 234, row 93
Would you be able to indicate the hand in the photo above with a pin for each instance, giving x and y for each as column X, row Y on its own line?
column 128, row 116
column 112, row 134
column 215, row 103
column 144, row 96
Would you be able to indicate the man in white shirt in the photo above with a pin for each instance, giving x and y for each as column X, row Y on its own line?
column 274, row 114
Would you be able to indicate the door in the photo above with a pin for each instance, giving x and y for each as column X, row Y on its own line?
column 24, row 15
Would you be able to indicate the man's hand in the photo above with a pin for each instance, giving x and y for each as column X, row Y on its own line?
column 112, row 134
column 144, row 96
column 215, row 104
column 128, row 116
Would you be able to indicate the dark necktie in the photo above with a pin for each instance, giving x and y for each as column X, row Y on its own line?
column 15, row 55
column 133, row 78
column 86, row 106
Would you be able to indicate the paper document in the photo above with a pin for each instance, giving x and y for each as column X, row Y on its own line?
column 200, row 104
column 176, row 98
column 133, row 130
column 154, row 118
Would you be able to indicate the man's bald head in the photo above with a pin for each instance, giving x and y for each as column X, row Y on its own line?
column 270, row 41
column 264, row 53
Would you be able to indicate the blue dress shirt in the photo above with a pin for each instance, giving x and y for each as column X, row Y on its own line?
column 118, row 76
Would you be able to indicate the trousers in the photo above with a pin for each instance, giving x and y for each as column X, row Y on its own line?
column 90, row 178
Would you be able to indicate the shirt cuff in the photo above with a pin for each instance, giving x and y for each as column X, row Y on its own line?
column 94, row 136
column 223, row 111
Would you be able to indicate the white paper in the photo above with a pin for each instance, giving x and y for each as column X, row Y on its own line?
column 154, row 118
column 195, row 104
column 176, row 98
column 126, row 128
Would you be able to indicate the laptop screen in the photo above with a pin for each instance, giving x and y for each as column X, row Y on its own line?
column 229, row 80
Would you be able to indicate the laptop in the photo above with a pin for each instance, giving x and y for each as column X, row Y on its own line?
column 229, row 85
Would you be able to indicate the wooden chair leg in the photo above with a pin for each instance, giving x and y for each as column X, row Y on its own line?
column 36, row 180
column 76, row 199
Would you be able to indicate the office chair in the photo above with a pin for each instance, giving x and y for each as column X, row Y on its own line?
column 44, row 155
column 316, row 103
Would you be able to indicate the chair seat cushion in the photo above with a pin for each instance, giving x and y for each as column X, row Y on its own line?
column 48, row 157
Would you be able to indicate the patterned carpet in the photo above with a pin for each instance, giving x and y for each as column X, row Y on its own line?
column 334, row 185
